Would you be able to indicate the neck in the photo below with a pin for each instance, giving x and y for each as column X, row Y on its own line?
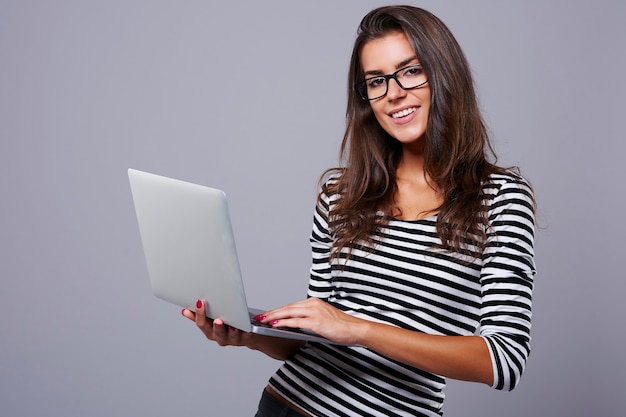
column 412, row 163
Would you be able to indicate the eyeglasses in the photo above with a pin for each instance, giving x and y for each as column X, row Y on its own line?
column 407, row 78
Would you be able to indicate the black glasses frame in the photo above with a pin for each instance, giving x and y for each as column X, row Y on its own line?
column 361, row 87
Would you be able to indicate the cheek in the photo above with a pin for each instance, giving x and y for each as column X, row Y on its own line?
column 379, row 114
column 426, row 112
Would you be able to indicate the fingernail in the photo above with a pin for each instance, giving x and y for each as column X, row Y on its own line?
column 259, row 317
column 218, row 324
column 273, row 322
column 183, row 312
column 199, row 303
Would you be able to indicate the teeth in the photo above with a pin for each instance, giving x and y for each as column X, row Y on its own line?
column 403, row 113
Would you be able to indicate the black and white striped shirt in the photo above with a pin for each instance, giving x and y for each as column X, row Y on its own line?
column 406, row 282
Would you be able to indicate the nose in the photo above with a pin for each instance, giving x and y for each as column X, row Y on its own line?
column 394, row 90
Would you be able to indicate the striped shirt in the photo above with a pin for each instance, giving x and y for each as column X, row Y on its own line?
column 407, row 282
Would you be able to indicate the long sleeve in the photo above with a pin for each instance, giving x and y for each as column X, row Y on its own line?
column 507, row 281
column 321, row 241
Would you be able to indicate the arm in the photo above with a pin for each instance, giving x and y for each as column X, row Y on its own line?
column 496, row 357
column 459, row 357
column 224, row 335
column 507, row 280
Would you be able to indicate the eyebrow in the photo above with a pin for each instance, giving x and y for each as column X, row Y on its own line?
column 399, row 65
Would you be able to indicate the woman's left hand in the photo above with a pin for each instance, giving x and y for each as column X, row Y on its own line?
column 318, row 316
column 459, row 357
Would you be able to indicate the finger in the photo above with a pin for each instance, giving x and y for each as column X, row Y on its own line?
column 200, row 313
column 237, row 337
column 300, row 308
column 202, row 321
column 260, row 317
column 297, row 323
column 188, row 314
column 234, row 336
column 220, row 332
column 289, row 312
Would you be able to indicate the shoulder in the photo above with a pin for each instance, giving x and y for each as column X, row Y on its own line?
column 331, row 177
column 509, row 194
column 497, row 182
column 329, row 185
column 506, row 185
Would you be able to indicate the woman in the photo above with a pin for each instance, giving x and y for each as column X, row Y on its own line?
column 422, row 248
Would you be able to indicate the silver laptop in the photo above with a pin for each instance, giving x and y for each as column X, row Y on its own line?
column 190, row 251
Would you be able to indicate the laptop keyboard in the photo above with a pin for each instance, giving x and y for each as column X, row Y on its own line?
column 267, row 325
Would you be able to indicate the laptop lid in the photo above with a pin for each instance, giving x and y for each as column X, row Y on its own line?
column 189, row 245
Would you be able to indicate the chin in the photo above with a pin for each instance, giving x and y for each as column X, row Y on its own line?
column 410, row 139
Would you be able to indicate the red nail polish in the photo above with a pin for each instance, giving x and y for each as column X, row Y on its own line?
column 199, row 303
column 273, row 322
column 259, row 317
column 183, row 312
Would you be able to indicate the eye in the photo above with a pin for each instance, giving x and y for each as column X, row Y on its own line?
column 414, row 71
column 375, row 82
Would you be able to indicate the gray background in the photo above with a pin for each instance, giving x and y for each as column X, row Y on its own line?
column 249, row 96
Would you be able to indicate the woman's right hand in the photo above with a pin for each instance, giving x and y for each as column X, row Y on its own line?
column 217, row 330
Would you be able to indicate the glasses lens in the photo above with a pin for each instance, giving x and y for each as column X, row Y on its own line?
column 375, row 87
column 411, row 77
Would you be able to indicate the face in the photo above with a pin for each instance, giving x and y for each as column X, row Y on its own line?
column 401, row 113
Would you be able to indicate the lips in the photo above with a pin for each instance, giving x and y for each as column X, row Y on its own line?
column 403, row 112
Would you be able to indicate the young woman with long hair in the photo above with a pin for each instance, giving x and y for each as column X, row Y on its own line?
column 422, row 246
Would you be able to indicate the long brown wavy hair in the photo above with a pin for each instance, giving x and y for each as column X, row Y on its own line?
column 456, row 143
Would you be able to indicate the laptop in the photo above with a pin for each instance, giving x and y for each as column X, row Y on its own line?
column 190, row 251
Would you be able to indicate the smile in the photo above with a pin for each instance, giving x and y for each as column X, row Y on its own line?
column 403, row 113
